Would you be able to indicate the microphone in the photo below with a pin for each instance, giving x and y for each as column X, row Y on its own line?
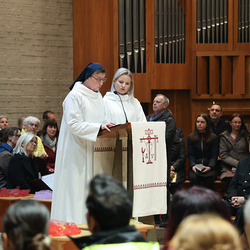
column 122, row 106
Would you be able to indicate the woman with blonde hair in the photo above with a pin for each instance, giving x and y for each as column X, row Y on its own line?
column 205, row 232
column 121, row 104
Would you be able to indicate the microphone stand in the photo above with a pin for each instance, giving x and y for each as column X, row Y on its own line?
column 122, row 106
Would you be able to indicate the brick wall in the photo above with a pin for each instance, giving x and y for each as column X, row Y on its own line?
column 36, row 56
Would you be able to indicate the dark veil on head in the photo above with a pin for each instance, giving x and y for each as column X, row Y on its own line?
column 86, row 73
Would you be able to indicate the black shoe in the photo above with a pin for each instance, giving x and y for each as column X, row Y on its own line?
column 157, row 219
column 164, row 220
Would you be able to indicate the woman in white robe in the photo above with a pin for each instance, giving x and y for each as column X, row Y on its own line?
column 122, row 107
column 83, row 116
column 122, row 93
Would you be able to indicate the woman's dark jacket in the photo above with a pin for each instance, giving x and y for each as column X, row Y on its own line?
column 208, row 156
column 21, row 170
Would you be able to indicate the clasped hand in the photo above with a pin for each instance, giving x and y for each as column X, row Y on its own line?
column 204, row 170
column 237, row 201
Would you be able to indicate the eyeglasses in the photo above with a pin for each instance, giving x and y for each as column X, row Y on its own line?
column 236, row 123
column 33, row 142
column 100, row 79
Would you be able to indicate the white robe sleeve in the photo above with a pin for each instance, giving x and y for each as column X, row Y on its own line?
column 78, row 126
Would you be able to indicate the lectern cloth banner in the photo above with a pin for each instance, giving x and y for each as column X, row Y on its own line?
column 149, row 168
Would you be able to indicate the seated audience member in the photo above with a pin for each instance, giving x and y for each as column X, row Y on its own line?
column 234, row 146
column 109, row 211
column 25, row 226
column 218, row 125
column 3, row 125
column 195, row 200
column 3, row 122
column 204, row 232
column 31, row 124
column 49, row 138
column 203, row 147
column 20, row 122
column 23, row 167
column 47, row 115
column 246, row 213
column 178, row 171
column 238, row 192
column 10, row 137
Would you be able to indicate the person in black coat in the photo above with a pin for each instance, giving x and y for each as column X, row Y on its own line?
column 162, row 113
column 203, row 150
column 239, row 191
column 23, row 167
column 218, row 125
column 178, row 171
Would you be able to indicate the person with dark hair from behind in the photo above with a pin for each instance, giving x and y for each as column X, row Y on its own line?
column 10, row 137
column 109, row 211
column 25, row 226
column 195, row 200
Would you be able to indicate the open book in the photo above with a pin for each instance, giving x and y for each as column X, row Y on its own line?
column 46, row 183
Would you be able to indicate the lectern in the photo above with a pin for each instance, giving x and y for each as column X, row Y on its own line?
column 118, row 132
column 146, row 164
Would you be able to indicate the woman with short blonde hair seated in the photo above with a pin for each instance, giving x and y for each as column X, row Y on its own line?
column 23, row 167
column 205, row 232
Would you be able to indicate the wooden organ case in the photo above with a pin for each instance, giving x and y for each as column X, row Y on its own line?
column 194, row 52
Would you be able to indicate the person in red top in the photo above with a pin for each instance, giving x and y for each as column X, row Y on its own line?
column 50, row 133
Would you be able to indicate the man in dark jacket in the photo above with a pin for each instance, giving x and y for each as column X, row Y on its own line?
column 218, row 125
column 239, row 191
column 162, row 113
column 109, row 212
column 10, row 137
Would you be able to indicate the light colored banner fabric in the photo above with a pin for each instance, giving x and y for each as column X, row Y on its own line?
column 104, row 156
column 149, row 168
